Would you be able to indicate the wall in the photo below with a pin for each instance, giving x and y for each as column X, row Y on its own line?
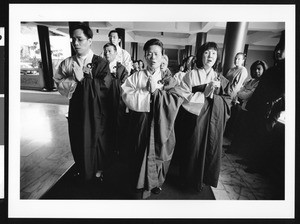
column 254, row 55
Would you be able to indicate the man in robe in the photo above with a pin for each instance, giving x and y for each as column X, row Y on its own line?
column 122, row 55
column 153, row 107
column 85, row 79
column 119, row 113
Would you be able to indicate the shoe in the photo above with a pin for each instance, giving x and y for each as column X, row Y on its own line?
column 76, row 174
column 156, row 190
column 99, row 176
column 200, row 188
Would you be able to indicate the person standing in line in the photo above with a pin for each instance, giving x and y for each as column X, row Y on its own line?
column 119, row 116
column 201, row 120
column 135, row 67
column 153, row 107
column 164, row 66
column 141, row 65
column 122, row 55
column 85, row 79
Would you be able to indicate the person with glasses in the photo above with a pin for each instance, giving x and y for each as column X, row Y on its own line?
column 85, row 80
column 153, row 107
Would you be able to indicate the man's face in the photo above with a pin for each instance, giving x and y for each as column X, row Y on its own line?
column 110, row 53
column 80, row 42
column 153, row 56
column 114, row 39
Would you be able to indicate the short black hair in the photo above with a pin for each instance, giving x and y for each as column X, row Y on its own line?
column 110, row 45
column 153, row 42
column 114, row 31
column 86, row 30
column 202, row 49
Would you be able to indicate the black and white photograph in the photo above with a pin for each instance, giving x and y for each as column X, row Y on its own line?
column 188, row 109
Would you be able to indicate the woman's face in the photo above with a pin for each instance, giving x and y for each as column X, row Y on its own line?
column 259, row 70
column 209, row 58
column 239, row 60
column 153, row 56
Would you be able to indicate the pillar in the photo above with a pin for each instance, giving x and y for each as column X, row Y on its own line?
column 134, row 50
column 43, row 33
column 121, row 33
column 234, row 42
column 200, row 39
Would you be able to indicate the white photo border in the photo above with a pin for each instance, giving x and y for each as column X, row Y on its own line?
column 276, row 209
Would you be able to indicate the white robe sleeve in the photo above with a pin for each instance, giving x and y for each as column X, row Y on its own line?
column 135, row 94
column 66, row 84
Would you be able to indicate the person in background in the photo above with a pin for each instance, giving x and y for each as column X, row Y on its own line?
column 122, row 55
column 257, row 69
column 119, row 116
column 141, row 65
column 153, row 108
column 187, row 65
column 135, row 67
column 201, row 120
column 264, row 108
column 85, row 79
column 164, row 65
column 236, row 76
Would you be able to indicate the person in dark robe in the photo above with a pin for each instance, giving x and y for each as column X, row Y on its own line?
column 264, row 108
column 201, row 120
column 153, row 107
column 85, row 79
column 119, row 114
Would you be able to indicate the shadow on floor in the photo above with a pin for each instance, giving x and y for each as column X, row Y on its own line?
column 116, row 186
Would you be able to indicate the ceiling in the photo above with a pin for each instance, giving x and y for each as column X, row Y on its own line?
column 260, row 36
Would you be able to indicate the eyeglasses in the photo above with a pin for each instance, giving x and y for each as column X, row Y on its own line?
column 79, row 40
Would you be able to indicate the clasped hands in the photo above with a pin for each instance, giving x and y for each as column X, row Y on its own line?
column 210, row 88
column 152, row 84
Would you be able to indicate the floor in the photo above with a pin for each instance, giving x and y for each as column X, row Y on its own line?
column 46, row 155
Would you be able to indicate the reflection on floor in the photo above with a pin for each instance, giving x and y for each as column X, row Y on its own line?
column 46, row 156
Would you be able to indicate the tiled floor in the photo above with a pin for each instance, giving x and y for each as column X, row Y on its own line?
column 46, row 156
column 236, row 184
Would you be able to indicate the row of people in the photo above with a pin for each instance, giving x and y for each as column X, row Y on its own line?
column 162, row 111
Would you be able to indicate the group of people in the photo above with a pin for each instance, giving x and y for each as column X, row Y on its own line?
column 149, row 115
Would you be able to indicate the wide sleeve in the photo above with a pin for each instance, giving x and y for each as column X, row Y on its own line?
column 64, row 79
column 186, row 90
column 245, row 93
column 135, row 94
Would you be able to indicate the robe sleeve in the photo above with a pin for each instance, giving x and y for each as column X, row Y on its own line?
column 66, row 84
column 186, row 90
column 135, row 97
column 246, row 93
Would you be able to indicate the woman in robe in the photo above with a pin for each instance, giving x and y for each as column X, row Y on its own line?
column 153, row 107
column 201, row 120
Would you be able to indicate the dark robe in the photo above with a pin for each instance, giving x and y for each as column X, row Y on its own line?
column 200, row 138
column 152, row 139
column 119, row 115
column 88, row 117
